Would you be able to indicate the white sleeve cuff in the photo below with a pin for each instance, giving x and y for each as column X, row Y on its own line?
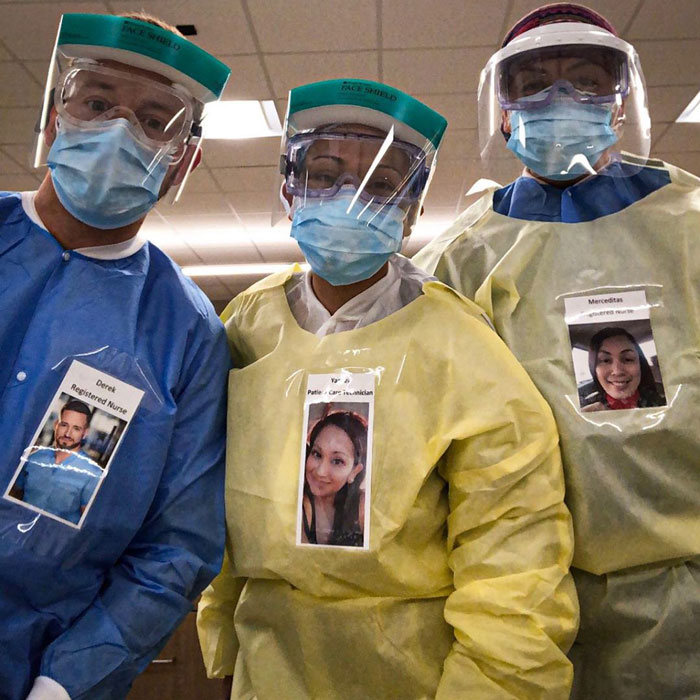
column 46, row 688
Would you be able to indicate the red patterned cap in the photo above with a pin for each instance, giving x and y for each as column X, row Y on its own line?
column 557, row 12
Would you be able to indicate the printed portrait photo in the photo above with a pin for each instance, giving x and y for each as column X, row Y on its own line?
column 616, row 366
column 63, row 468
column 335, row 471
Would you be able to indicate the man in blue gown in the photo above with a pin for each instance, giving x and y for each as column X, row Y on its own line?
column 84, row 609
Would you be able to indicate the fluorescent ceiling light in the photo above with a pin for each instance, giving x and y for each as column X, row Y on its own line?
column 237, row 270
column 241, row 119
column 691, row 114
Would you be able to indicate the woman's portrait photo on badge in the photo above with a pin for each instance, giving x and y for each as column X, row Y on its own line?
column 334, row 473
column 616, row 366
column 66, row 462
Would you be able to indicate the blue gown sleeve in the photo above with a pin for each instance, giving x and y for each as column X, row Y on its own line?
column 175, row 554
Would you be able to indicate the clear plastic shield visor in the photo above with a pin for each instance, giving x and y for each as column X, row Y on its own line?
column 563, row 112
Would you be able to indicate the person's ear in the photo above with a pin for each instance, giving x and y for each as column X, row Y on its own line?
column 287, row 197
column 50, row 130
column 355, row 471
column 193, row 155
column 505, row 123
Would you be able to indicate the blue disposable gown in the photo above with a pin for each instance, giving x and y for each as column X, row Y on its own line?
column 90, row 607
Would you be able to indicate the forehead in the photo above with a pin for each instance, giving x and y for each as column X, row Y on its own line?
column 74, row 417
column 336, row 436
column 617, row 343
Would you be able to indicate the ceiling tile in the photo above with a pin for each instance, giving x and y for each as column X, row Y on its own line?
column 251, row 202
column 679, row 138
column 18, row 183
column 39, row 69
column 43, row 18
column 460, row 109
column 182, row 255
column 243, row 152
column 282, row 250
column 22, row 154
column 260, row 221
column 666, row 103
column 17, row 124
column 206, row 228
column 315, row 25
column 215, row 289
column 195, row 203
column 19, row 89
column 232, row 251
column 617, row 12
column 423, row 23
column 199, row 181
column 221, row 24
column 426, row 71
column 669, row 62
column 247, row 81
column 291, row 70
column 661, row 20
column 249, row 179
column 459, row 144
column 9, row 167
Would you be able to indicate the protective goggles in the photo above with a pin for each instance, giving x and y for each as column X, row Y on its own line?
column 589, row 75
column 383, row 170
column 89, row 94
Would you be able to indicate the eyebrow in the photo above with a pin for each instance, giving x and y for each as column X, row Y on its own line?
column 607, row 352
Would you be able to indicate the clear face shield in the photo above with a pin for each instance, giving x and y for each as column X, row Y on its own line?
column 120, row 122
column 568, row 100
column 127, row 112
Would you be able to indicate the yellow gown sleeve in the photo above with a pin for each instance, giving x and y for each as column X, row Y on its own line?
column 217, row 636
column 510, row 542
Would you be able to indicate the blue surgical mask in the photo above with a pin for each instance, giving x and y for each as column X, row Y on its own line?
column 104, row 177
column 562, row 140
column 343, row 247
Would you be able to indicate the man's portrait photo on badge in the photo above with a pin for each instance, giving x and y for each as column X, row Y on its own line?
column 616, row 366
column 66, row 462
column 334, row 473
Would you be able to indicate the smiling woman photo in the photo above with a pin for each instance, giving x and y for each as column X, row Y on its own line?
column 621, row 374
column 333, row 507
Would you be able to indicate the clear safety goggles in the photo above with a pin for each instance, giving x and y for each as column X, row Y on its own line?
column 382, row 169
column 89, row 95
column 588, row 75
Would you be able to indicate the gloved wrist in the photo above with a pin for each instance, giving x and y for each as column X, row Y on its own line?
column 46, row 688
